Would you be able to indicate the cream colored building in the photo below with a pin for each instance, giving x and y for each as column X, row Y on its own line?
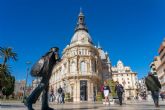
column 155, row 64
column 83, row 66
column 161, row 69
column 19, row 87
column 125, row 76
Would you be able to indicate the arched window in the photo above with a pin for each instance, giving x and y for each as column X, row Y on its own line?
column 83, row 67
column 94, row 66
column 73, row 67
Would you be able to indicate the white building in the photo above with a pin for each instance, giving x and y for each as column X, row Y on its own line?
column 161, row 69
column 125, row 76
column 83, row 66
column 19, row 87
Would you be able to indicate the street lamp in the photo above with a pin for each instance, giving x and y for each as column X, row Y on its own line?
column 27, row 71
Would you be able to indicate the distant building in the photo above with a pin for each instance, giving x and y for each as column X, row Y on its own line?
column 161, row 69
column 125, row 76
column 19, row 88
column 155, row 64
column 142, row 89
column 83, row 66
column 35, row 83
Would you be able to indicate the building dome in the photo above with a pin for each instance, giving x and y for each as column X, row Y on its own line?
column 81, row 34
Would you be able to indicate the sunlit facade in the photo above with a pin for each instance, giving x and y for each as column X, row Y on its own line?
column 125, row 76
column 83, row 66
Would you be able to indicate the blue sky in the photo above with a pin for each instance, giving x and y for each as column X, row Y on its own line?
column 129, row 30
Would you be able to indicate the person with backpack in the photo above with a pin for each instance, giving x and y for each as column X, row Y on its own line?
column 43, row 68
column 119, row 90
column 153, row 85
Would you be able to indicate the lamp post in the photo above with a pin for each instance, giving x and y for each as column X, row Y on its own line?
column 27, row 71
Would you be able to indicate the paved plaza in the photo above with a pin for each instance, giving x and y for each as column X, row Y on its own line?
column 138, row 105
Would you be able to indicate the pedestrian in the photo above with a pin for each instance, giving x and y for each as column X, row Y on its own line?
column 153, row 85
column 63, row 97
column 119, row 90
column 107, row 91
column 94, row 96
column 43, row 68
column 52, row 95
column 60, row 91
column 162, row 96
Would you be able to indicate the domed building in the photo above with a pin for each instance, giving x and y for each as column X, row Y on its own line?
column 83, row 66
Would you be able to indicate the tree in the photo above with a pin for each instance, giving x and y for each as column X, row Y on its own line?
column 9, row 86
column 6, row 80
column 7, row 53
column 4, row 71
column 112, row 85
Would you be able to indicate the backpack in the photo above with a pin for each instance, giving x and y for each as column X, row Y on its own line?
column 121, row 89
column 150, row 83
column 38, row 67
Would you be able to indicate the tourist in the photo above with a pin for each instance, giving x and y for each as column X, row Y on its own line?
column 119, row 90
column 60, row 91
column 63, row 97
column 154, row 86
column 44, row 70
column 162, row 96
column 106, row 90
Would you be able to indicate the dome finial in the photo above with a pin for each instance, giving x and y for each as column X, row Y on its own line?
column 99, row 47
column 80, row 9
column 81, row 22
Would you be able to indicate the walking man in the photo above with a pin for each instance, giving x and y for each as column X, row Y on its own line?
column 154, row 86
column 119, row 90
column 60, row 91
column 49, row 60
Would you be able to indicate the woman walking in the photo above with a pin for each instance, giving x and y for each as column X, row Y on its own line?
column 106, row 90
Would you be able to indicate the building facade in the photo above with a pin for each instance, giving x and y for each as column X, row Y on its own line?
column 161, row 69
column 155, row 64
column 83, row 66
column 19, row 88
column 142, row 89
column 125, row 76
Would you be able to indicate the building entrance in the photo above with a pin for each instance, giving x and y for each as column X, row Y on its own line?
column 83, row 90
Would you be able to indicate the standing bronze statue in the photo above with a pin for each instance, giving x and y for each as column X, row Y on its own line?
column 43, row 68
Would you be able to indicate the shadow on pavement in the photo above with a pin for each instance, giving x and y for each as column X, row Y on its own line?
column 11, row 106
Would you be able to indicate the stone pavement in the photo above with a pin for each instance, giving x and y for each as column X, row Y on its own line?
column 140, row 105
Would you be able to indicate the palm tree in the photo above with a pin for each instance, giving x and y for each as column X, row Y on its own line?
column 4, row 72
column 7, row 53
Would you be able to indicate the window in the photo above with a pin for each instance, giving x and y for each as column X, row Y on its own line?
column 73, row 67
column 83, row 66
column 94, row 66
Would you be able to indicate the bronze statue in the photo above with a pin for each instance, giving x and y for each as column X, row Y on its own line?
column 45, row 71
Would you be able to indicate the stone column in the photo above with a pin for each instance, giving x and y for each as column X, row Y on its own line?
column 90, row 90
column 76, row 91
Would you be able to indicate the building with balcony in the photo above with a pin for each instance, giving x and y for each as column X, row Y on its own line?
column 155, row 64
column 161, row 69
column 83, row 66
column 125, row 76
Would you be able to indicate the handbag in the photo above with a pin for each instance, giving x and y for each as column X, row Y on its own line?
column 38, row 67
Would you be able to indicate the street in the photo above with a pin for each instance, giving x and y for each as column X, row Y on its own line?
column 138, row 105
